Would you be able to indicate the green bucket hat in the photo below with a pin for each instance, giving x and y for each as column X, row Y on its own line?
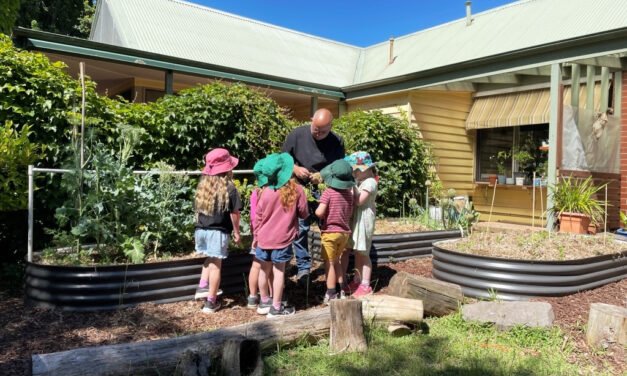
column 275, row 170
column 338, row 175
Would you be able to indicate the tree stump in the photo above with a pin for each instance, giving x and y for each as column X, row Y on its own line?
column 193, row 363
column 607, row 325
column 347, row 327
column 241, row 356
column 387, row 308
column 438, row 298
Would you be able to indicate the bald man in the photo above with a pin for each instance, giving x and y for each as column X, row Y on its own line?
column 313, row 147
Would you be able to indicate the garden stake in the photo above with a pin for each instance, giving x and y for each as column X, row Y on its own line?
column 605, row 220
column 533, row 201
column 491, row 207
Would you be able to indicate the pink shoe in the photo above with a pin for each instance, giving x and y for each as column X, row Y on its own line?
column 363, row 290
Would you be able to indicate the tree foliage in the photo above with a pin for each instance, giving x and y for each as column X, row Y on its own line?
column 402, row 157
column 8, row 15
column 56, row 16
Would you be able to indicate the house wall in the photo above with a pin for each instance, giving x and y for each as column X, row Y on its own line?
column 440, row 117
column 623, row 146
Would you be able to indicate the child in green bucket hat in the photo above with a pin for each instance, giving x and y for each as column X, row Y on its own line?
column 335, row 210
column 280, row 203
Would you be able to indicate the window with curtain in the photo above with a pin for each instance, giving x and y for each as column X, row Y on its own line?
column 521, row 148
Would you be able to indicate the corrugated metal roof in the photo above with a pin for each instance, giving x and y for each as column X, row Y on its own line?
column 190, row 31
column 180, row 29
column 508, row 28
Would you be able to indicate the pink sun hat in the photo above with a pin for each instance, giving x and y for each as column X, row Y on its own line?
column 219, row 161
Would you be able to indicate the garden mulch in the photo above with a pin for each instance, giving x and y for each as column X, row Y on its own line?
column 25, row 331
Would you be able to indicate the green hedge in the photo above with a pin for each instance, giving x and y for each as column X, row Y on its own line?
column 402, row 157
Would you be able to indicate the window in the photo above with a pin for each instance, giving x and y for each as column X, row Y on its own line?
column 521, row 151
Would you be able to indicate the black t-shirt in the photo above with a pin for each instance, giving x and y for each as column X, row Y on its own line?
column 222, row 220
column 311, row 153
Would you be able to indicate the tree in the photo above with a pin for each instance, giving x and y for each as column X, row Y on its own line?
column 56, row 16
column 8, row 15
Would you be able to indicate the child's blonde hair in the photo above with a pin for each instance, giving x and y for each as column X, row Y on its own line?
column 212, row 195
column 289, row 194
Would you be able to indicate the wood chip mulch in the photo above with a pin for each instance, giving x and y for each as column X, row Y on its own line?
column 25, row 331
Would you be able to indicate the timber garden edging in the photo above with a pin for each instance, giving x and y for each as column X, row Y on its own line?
column 505, row 279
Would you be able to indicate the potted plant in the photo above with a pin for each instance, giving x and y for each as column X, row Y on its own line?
column 574, row 204
column 502, row 157
column 524, row 158
column 623, row 230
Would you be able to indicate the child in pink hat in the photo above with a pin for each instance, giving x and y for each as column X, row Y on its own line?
column 217, row 205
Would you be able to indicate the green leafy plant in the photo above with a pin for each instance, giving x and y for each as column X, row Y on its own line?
column 16, row 153
column 502, row 157
column 402, row 158
column 455, row 216
column 572, row 195
column 623, row 219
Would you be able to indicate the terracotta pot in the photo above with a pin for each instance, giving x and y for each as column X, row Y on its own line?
column 574, row 223
column 592, row 229
column 492, row 179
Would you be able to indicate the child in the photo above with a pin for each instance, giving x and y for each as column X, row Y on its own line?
column 217, row 205
column 253, row 275
column 280, row 203
column 335, row 210
column 364, row 171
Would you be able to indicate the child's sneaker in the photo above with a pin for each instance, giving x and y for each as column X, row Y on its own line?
column 211, row 307
column 203, row 293
column 252, row 302
column 328, row 298
column 283, row 311
column 264, row 308
column 363, row 290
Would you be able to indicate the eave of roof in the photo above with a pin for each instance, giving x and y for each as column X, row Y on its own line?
column 40, row 40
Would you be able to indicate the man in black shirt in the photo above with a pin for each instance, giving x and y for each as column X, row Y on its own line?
column 313, row 147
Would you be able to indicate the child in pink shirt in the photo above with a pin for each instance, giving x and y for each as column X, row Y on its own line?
column 280, row 203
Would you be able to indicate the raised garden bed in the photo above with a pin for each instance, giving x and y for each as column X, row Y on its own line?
column 389, row 248
column 516, row 279
column 98, row 288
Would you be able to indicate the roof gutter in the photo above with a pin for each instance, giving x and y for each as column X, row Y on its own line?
column 43, row 41
column 558, row 52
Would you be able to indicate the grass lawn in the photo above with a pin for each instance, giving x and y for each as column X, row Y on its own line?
column 447, row 346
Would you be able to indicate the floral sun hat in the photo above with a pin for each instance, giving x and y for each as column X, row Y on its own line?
column 219, row 161
column 360, row 160
column 275, row 170
column 338, row 175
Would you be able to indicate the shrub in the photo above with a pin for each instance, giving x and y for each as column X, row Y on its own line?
column 402, row 157
column 184, row 127
column 16, row 153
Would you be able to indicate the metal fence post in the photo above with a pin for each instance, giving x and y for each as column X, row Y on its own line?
column 31, row 189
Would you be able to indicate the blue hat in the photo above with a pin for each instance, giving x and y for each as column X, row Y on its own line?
column 360, row 160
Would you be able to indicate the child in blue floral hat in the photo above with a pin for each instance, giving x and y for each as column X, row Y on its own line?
column 362, row 224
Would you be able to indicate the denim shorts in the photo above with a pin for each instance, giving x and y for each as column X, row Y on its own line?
column 277, row 256
column 212, row 243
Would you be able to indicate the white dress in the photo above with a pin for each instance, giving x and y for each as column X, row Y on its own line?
column 363, row 218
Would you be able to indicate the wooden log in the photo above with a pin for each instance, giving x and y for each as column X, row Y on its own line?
column 241, row 356
column 162, row 356
column 607, row 325
column 193, row 363
column 388, row 308
column 347, row 327
column 438, row 298
column 399, row 329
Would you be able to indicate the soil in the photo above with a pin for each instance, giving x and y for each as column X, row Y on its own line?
column 538, row 245
column 25, row 331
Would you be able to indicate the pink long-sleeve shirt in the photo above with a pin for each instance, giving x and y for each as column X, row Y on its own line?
column 275, row 227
